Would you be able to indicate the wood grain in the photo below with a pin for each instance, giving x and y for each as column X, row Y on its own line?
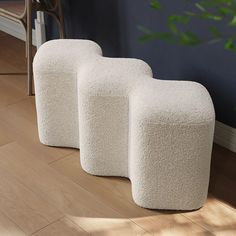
column 8, row 228
column 114, row 192
column 25, row 208
column 170, row 224
column 44, row 191
column 23, row 129
column 62, row 227
column 3, row 34
column 214, row 216
column 109, row 226
column 16, row 7
column 12, row 55
column 71, row 199
column 223, row 176
column 9, row 94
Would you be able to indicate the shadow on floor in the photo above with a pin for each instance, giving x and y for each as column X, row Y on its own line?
column 223, row 175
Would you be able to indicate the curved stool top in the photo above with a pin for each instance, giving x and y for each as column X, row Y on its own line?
column 64, row 56
column 173, row 102
column 105, row 76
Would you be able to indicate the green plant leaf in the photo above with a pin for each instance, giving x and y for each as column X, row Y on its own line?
column 225, row 11
column 200, row 7
column 233, row 21
column 229, row 45
column 210, row 10
column 207, row 15
column 144, row 29
column 181, row 19
column 173, row 20
column 189, row 13
column 215, row 33
column 162, row 36
column 189, row 38
column 155, row 4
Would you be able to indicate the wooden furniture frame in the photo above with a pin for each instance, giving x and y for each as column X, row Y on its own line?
column 21, row 12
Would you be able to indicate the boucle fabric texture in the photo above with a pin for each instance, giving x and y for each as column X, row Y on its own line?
column 157, row 133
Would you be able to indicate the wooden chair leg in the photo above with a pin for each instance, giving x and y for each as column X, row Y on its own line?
column 29, row 40
column 24, row 24
column 61, row 20
column 29, row 47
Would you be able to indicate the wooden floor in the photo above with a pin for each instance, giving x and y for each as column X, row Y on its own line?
column 44, row 192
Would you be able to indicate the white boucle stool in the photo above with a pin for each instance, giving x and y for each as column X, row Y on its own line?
column 157, row 133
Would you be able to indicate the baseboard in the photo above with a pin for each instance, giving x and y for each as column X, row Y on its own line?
column 13, row 28
column 225, row 136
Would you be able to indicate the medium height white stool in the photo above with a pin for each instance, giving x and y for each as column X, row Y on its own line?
column 157, row 133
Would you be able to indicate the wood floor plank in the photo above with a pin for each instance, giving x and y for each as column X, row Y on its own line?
column 221, row 187
column 109, row 226
column 170, row 224
column 4, row 136
column 62, row 227
column 214, row 216
column 18, row 122
column 31, row 143
column 12, row 55
column 59, row 191
column 26, row 209
column 3, row 34
column 223, row 175
column 9, row 94
column 225, row 232
column 8, row 228
column 115, row 192
column 98, row 205
column 15, row 81
column 113, row 227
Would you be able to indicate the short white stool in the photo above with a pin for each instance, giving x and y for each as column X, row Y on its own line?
column 157, row 133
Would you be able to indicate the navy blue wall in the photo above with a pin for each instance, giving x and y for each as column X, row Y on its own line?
column 113, row 24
